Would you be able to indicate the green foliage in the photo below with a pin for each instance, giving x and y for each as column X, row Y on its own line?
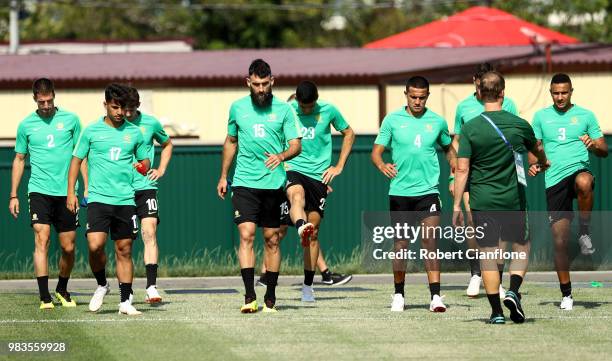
column 215, row 24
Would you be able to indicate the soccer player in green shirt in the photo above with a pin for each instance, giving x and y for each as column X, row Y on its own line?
column 110, row 146
column 49, row 135
column 568, row 133
column 259, row 127
column 490, row 150
column 412, row 133
column 468, row 109
column 146, row 188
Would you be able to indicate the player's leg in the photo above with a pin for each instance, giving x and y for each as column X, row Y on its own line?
column 584, row 185
column 65, row 223
column 123, row 231
column 40, row 220
column 432, row 266
column 488, row 266
column 272, row 260
column 42, row 234
column 399, row 207
column 515, row 229
column 473, row 288
column 99, row 218
column 559, row 202
column 311, row 254
column 148, row 214
column 246, row 258
column 297, row 200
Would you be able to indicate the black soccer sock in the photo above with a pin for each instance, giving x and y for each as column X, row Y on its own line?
column 43, row 288
column 501, row 274
column 475, row 267
column 101, row 277
column 299, row 223
column 326, row 273
column 151, row 274
column 308, row 277
column 125, row 289
column 515, row 283
column 62, row 284
column 566, row 289
column 434, row 289
column 272, row 280
column 584, row 226
column 495, row 303
column 248, row 278
column 399, row 288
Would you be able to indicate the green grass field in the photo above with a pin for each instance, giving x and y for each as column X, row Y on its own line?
column 346, row 323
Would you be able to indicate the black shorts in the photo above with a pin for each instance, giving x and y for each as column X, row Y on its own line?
column 146, row 204
column 260, row 206
column 285, row 219
column 411, row 210
column 45, row 209
column 560, row 198
column 315, row 192
column 119, row 220
column 509, row 226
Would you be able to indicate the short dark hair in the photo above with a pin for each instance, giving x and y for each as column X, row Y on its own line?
column 561, row 78
column 481, row 69
column 417, row 82
column 491, row 85
column 43, row 86
column 116, row 92
column 260, row 68
column 307, row 92
column 133, row 98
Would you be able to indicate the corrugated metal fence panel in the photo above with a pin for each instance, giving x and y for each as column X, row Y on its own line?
column 193, row 218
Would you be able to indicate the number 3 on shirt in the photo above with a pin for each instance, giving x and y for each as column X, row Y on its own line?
column 562, row 135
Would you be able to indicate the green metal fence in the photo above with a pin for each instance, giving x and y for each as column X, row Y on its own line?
column 193, row 218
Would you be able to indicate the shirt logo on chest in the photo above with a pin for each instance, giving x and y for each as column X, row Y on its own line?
column 428, row 128
column 271, row 117
column 127, row 138
column 574, row 121
column 142, row 130
column 59, row 126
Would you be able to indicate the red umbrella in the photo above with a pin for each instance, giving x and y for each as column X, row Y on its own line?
column 476, row 26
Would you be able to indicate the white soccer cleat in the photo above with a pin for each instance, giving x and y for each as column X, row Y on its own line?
column 126, row 308
column 307, row 294
column 152, row 296
column 436, row 304
column 586, row 245
column 567, row 303
column 98, row 297
column 502, row 292
column 397, row 305
column 473, row 288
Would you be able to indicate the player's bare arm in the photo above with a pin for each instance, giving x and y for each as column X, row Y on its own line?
column 229, row 151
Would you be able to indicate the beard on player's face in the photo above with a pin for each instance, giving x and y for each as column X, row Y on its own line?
column 262, row 99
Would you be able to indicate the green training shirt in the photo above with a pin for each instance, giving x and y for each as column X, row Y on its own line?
column 260, row 130
column 151, row 129
column 110, row 156
column 560, row 132
column 412, row 141
column 50, row 142
column 471, row 107
column 493, row 181
column 316, row 154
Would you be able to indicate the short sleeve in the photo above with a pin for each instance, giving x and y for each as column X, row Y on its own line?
column 465, row 146
column 338, row 121
column 82, row 148
column 21, row 141
column 458, row 120
column 76, row 131
column 232, row 126
column 159, row 134
column 384, row 134
column 536, row 124
column 529, row 136
column 444, row 138
column 593, row 129
column 292, row 127
column 510, row 106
